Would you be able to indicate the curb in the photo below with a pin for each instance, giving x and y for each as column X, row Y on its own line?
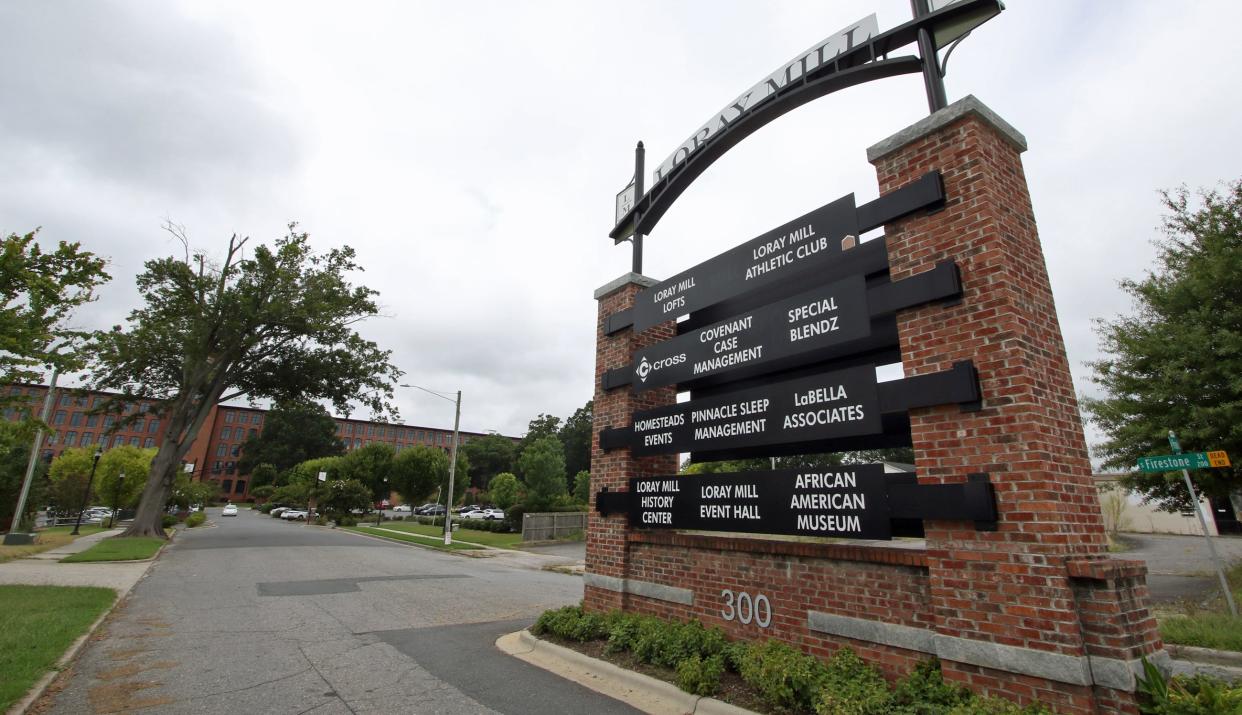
column 1204, row 655
column 643, row 692
column 466, row 553
column 21, row 707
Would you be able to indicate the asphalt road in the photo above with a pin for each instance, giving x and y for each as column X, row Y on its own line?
column 256, row 615
column 1180, row 567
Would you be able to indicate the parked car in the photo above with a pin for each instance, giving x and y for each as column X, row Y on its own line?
column 494, row 513
column 402, row 507
column 279, row 511
column 294, row 515
column 229, row 510
column 195, row 507
column 473, row 514
column 432, row 510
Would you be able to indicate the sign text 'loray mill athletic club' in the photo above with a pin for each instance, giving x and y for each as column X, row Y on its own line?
column 807, row 242
column 835, row 404
column 828, row 315
column 845, row 501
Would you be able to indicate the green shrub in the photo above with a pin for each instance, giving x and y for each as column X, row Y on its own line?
column 924, row 690
column 571, row 623
column 700, row 676
column 1000, row 706
column 195, row 519
column 168, row 521
column 347, row 521
column 783, row 676
column 851, row 687
column 623, row 634
column 1194, row 695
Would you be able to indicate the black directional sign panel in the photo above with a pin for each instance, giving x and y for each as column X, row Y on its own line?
column 846, row 501
column 808, row 242
column 836, row 404
column 829, row 315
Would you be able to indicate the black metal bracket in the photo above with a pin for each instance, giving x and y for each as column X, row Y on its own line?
column 973, row 500
column 609, row 502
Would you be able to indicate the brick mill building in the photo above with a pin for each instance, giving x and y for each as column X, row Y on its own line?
column 216, row 450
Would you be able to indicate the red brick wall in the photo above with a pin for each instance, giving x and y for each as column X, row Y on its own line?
column 1042, row 582
column 607, row 552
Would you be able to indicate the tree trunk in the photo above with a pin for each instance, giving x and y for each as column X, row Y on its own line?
column 149, row 519
column 182, row 431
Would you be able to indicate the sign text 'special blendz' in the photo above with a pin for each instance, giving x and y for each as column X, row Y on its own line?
column 814, row 57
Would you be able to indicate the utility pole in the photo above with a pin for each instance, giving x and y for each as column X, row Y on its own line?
column 640, row 155
column 48, row 401
column 448, row 510
column 933, row 80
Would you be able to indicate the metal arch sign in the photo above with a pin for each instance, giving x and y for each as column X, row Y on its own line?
column 853, row 55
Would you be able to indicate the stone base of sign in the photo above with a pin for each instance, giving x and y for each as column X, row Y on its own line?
column 1033, row 611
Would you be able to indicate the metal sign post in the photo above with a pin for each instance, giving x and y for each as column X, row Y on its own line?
column 1194, row 501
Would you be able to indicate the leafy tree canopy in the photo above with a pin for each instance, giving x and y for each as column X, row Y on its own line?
column 582, row 487
column 340, row 496
column 505, row 490
column 293, row 432
column 71, row 470
column 543, row 469
column 418, row 471
column 538, row 428
column 489, row 456
column 38, row 294
column 263, row 475
column 15, row 440
column 1176, row 362
column 279, row 325
column 575, row 438
column 371, row 465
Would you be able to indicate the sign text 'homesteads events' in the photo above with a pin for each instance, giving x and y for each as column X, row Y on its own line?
column 837, row 404
column 849, row 501
column 808, row 242
column 829, row 315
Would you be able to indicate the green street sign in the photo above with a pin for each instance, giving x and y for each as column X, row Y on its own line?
column 1174, row 462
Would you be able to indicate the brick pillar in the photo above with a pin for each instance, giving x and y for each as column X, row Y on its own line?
column 607, row 554
column 1002, row 598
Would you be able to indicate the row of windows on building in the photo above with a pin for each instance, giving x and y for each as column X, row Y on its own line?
column 240, row 433
column 70, row 439
column 69, row 398
column 242, row 417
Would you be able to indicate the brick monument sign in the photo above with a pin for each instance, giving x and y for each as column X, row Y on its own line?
column 1011, row 587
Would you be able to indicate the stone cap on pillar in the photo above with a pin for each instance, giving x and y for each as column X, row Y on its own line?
column 625, row 279
column 965, row 106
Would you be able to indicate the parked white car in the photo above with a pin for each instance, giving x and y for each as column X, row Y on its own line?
column 494, row 513
column 294, row 515
column 229, row 510
column 473, row 514
column 279, row 511
column 402, row 507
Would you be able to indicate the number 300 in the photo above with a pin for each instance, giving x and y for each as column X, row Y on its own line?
column 743, row 608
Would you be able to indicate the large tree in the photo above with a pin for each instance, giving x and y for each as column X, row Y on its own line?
column 108, row 488
column 1176, row 362
column 542, row 426
column 489, row 456
column 575, row 438
column 418, row 471
column 277, row 325
column 543, row 470
column 38, row 293
column 293, row 432
column 371, row 465
column 15, row 440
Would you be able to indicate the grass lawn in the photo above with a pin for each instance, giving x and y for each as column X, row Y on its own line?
column 118, row 549
column 487, row 538
column 37, row 625
column 411, row 539
column 1205, row 625
column 45, row 540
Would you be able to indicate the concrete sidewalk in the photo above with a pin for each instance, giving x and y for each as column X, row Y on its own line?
column 45, row 569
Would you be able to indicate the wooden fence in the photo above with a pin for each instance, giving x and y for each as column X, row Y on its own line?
column 547, row 526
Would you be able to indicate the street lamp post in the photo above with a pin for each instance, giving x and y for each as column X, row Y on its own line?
column 448, row 500
column 379, row 513
column 87, row 495
column 116, row 498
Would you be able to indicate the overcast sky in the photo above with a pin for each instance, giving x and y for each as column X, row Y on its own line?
column 470, row 152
